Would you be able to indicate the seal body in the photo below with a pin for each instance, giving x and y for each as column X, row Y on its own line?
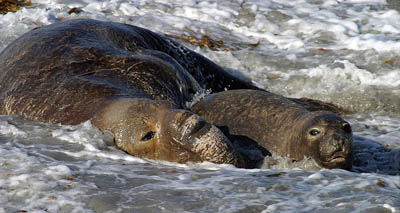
column 281, row 125
column 125, row 79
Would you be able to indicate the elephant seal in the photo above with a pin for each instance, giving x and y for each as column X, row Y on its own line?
column 281, row 125
column 122, row 79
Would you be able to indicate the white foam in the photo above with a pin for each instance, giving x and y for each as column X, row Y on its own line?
column 84, row 134
column 282, row 162
column 352, row 74
column 68, row 168
column 58, row 171
column 8, row 128
column 198, row 97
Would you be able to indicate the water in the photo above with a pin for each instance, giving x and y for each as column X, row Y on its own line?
column 345, row 52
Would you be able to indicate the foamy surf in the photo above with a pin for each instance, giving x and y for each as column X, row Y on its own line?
column 345, row 52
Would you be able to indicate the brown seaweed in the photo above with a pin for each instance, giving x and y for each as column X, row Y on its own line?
column 12, row 5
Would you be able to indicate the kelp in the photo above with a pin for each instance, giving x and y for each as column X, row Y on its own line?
column 12, row 5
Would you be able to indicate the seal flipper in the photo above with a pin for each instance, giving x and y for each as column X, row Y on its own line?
column 252, row 153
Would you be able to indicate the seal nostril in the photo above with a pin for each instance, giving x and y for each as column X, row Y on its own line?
column 340, row 145
column 346, row 127
column 148, row 136
column 197, row 129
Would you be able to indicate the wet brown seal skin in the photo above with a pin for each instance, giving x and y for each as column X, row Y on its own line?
column 281, row 126
column 114, row 75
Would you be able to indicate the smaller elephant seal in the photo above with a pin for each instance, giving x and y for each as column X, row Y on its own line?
column 281, row 126
column 118, row 77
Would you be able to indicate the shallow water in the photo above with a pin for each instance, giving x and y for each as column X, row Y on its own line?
column 70, row 168
column 345, row 52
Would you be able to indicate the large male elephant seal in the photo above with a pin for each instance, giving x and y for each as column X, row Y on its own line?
column 125, row 79
column 281, row 125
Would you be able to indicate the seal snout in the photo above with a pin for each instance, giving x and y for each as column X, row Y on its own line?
column 337, row 152
column 198, row 136
column 190, row 125
column 339, row 144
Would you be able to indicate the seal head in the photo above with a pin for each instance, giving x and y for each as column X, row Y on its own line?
column 281, row 126
column 152, row 129
column 328, row 139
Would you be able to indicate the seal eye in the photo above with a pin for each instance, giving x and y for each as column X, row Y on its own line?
column 148, row 136
column 314, row 132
